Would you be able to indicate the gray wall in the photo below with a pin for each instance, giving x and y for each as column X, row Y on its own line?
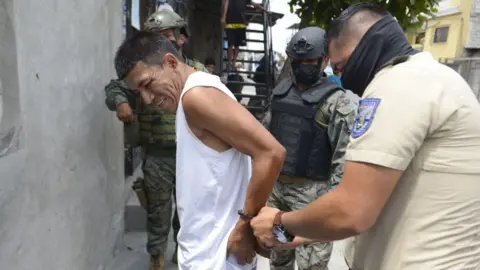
column 61, row 154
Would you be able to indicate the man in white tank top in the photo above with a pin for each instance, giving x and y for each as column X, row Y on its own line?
column 227, row 162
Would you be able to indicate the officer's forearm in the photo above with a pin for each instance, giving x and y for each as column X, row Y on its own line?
column 326, row 219
column 266, row 168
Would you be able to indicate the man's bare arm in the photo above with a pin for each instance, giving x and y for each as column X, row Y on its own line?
column 212, row 110
column 350, row 209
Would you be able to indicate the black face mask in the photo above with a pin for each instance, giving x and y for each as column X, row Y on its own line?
column 306, row 74
column 382, row 42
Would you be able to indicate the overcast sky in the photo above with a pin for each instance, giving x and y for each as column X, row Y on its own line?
column 280, row 32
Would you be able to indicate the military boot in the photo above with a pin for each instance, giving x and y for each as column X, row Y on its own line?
column 174, row 257
column 157, row 262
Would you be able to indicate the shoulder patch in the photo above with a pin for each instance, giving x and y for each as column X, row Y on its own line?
column 366, row 111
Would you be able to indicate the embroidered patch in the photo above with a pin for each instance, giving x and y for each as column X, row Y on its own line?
column 366, row 111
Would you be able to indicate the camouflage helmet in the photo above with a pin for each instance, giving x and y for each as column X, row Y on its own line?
column 307, row 43
column 166, row 19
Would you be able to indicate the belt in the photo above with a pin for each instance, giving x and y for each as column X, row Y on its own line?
column 235, row 26
column 286, row 179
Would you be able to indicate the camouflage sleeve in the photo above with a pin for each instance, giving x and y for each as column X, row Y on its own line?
column 340, row 110
column 196, row 65
column 117, row 92
column 267, row 118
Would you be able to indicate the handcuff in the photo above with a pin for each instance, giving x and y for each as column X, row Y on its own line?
column 244, row 215
column 278, row 231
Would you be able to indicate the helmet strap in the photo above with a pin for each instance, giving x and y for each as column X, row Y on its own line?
column 176, row 33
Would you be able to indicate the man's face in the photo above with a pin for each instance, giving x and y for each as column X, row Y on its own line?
column 339, row 54
column 210, row 68
column 157, row 85
column 168, row 34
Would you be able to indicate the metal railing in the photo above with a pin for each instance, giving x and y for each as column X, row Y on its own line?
column 469, row 68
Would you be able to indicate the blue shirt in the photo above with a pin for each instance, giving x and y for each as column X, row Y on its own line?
column 335, row 80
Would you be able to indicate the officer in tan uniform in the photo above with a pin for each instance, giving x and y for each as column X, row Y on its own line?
column 411, row 186
column 156, row 130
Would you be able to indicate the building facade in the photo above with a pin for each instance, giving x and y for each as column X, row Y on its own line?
column 447, row 33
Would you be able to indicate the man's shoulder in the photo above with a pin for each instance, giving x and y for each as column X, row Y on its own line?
column 285, row 83
column 420, row 78
column 338, row 103
column 201, row 80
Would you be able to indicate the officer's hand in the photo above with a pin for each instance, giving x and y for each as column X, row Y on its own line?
column 241, row 243
column 124, row 113
column 262, row 226
column 223, row 21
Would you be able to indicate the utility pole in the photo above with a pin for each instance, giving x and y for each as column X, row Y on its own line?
column 206, row 31
column 147, row 7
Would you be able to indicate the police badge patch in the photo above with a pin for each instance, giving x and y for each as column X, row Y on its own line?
column 364, row 118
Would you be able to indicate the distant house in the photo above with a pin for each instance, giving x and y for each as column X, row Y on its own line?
column 445, row 35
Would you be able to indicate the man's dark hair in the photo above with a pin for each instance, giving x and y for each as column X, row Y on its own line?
column 209, row 61
column 340, row 25
column 147, row 47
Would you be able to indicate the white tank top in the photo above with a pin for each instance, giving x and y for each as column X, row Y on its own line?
column 211, row 188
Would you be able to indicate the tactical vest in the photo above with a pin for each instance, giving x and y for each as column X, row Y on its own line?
column 309, row 154
column 156, row 127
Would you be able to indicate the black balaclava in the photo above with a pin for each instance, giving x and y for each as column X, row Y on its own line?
column 382, row 42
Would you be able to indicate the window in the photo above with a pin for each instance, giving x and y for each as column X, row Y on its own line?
column 441, row 35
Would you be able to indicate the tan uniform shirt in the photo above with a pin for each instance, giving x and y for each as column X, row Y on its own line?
column 422, row 118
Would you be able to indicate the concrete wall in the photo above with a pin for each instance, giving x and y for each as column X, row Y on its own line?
column 61, row 154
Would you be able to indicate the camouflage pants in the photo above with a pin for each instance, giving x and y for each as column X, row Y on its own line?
column 290, row 197
column 159, row 177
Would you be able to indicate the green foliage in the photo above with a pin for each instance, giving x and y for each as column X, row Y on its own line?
column 322, row 12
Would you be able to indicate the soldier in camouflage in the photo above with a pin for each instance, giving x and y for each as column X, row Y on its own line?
column 157, row 138
column 311, row 117
column 172, row 26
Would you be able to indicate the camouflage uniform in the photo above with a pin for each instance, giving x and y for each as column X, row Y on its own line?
column 157, row 132
column 340, row 109
column 158, row 164
column 314, row 126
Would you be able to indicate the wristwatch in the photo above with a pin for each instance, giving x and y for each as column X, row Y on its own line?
column 279, row 231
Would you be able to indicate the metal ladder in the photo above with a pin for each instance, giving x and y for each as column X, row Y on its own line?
column 257, row 17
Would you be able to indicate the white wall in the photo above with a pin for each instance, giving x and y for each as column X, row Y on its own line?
column 61, row 171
